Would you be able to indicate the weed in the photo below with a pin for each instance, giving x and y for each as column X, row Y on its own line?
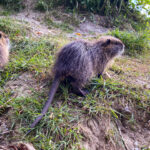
column 56, row 130
column 15, row 5
column 104, row 7
column 13, row 27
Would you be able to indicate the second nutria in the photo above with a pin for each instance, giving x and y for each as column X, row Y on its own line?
column 80, row 61
column 4, row 49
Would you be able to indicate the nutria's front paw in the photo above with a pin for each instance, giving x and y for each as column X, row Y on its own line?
column 81, row 92
column 107, row 75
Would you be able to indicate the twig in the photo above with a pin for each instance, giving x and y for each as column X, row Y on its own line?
column 126, row 147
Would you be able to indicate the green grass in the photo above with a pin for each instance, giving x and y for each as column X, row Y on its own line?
column 59, row 127
column 117, row 69
column 136, row 43
column 13, row 27
column 56, row 130
column 29, row 55
column 13, row 5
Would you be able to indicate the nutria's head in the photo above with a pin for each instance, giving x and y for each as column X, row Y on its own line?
column 4, row 40
column 111, row 46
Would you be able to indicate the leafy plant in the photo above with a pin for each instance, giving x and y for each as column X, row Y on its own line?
column 16, row 5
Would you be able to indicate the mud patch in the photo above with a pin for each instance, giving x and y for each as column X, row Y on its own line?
column 143, row 83
column 134, row 128
column 107, row 133
column 6, row 130
column 23, row 85
column 89, row 27
column 136, row 138
column 98, row 135
column 134, row 72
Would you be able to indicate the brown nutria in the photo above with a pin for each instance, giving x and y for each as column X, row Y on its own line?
column 4, row 49
column 80, row 61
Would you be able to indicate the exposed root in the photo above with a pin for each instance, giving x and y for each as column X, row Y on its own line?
column 119, row 130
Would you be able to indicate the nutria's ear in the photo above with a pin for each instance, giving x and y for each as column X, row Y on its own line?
column 106, row 43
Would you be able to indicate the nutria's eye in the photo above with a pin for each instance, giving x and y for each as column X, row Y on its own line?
column 106, row 43
column 117, row 43
column 0, row 35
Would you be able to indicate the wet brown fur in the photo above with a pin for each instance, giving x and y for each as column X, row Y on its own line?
column 80, row 61
column 4, row 49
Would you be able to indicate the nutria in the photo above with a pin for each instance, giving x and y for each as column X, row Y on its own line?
column 4, row 49
column 80, row 61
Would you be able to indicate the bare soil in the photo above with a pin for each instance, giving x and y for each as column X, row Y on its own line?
column 23, row 85
column 136, row 72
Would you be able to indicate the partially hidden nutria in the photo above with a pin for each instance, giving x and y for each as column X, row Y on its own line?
column 4, row 49
column 80, row 61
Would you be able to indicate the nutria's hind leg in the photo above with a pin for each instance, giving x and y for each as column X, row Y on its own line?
column 100, row 74
column 79, row 90
column 68, row 80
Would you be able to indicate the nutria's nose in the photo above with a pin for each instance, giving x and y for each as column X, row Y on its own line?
column 122, row 47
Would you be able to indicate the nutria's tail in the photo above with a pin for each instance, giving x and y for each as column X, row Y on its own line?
column 52, row 92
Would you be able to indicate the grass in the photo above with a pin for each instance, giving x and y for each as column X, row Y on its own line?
column 136, row 43
column 35, row 56
column 59, row 127
column 117, row 69
column 13, row 5
column 13, row 27
column 56, row 130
